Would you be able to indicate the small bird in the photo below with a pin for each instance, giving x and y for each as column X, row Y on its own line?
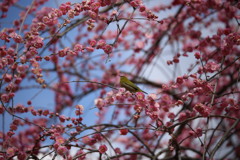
column 129, row 85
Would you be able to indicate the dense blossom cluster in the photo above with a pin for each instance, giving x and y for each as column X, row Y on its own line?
column 77, row 51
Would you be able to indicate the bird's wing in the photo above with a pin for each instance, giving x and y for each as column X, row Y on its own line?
column 131, row 85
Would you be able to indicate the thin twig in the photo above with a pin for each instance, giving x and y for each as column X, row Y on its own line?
column 222, row 140
column 95, row 83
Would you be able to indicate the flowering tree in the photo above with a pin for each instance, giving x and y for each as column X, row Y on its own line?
column 184, row 53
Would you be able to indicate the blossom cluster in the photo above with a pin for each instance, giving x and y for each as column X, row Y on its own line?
column 184, row 53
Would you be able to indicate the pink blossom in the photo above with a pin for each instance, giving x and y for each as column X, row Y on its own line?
column 10, row 134
column 152, row 96
column 140, row 96
column 101, row 43
column 135, row 3
column 7, row 77
column 5, row 98
column 95, row 6
column 20, row 108
column 78, row 47
column 65, row 7
column 150, row 15
column 88, row 140
column 63, row 52
column 17, row 38
column 179, row 102
column 89, row 49
column 123, row 131
column 182, row 116
column 62, row 118
column 18, row 80
column 34, row 112
column 142, row 8
column 92, row 14
column 92, row 43
column 211, row 67
column 62, row 150
column 71, row 13
column 4, row 36
column 121, row 90
column 176, row 60
column 108, row 49
column 179, row 80
column 45, row 112
column 79, row 109
column 13, row 127
column 102, row 149
column 197, row 55
column 22, row 68
column 11, row 151
column 202, row 109
column 118, row 150
column 171, row 115
column 59, row 140
column 99, row 103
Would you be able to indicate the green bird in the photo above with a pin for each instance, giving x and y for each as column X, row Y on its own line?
column 129, row 85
